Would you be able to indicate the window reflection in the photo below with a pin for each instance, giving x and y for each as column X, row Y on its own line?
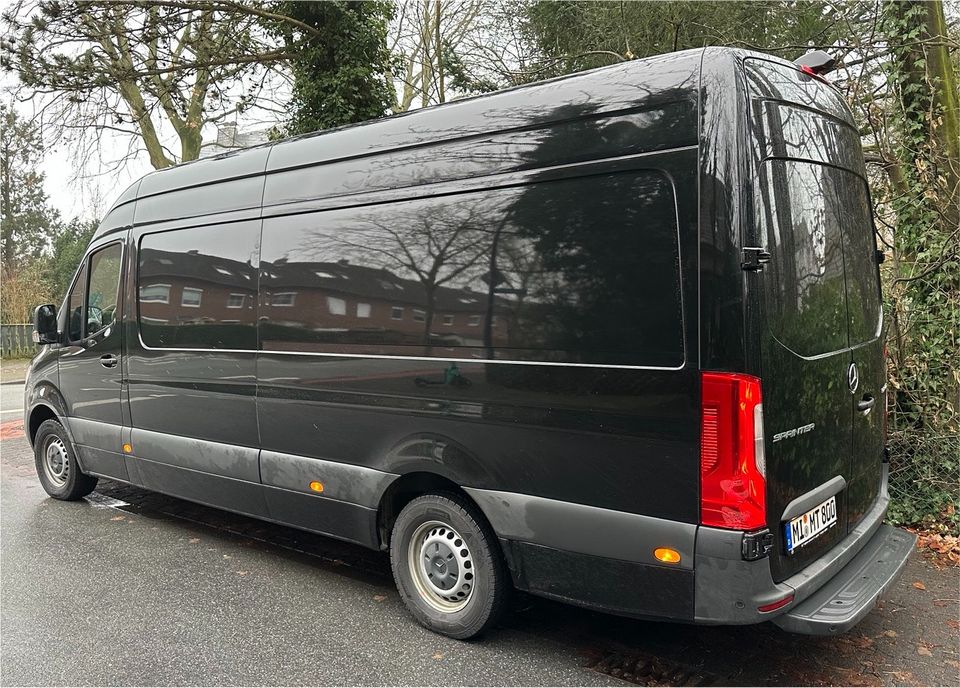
column 198, row 287
column 803, row 216
column 582, row 270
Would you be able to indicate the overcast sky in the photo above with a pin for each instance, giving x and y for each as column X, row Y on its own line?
column 86, row 188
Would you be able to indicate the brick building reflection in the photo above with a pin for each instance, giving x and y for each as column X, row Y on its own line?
column 319, row 306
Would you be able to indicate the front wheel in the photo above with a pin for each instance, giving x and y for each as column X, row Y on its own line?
column 57, row 465
column 448, row 566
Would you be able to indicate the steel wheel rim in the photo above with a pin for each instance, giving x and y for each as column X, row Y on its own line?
column 56, row 461
column 441, row 566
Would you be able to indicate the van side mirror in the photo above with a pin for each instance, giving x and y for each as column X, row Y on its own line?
column 45, row 324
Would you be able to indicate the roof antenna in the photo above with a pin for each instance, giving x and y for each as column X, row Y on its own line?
column 816, row 62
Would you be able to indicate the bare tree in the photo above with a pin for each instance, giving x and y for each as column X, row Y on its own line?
column 157, row 72
column 423, row 34
column 439, row 246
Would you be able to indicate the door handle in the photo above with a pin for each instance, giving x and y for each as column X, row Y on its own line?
column 109, row 360
column 865, row 404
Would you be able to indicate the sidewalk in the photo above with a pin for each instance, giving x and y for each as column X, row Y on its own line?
column 13, row 370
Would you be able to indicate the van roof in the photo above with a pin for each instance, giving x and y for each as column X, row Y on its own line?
column 673, row 76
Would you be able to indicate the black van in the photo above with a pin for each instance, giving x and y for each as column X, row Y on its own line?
column 613, row 339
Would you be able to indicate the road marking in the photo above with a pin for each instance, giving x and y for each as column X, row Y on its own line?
column 11, row 429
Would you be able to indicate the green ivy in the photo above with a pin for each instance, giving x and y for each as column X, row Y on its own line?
column 923, row 284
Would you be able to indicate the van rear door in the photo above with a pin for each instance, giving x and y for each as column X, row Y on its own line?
column 864, row 311
column 821, row 350
column 805, row 353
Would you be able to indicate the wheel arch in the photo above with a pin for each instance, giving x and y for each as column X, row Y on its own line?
column 39, row 414
column 408, row 487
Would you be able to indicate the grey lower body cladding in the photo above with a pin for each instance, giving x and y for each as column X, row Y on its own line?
column 830, row 595
column 563, row 551
column 594, row 557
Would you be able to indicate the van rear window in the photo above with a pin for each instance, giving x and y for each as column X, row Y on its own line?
column 799, row 207
column 581, row 270
column 823, row 289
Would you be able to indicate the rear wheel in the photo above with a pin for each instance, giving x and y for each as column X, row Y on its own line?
column 57, row 465
column 448, row 566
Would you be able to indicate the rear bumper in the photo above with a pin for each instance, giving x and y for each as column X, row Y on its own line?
column 730, row 590
column 851, row 594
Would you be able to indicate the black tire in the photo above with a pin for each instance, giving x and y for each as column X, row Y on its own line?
column 60, row 476
column 487, row 576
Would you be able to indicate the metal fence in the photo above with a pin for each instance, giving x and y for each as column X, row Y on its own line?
column 924, row 478
column 16, row 341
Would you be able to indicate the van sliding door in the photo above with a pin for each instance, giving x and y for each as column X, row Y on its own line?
column 192, row 364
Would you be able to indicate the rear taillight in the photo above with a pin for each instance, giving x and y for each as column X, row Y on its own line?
column 732, row 468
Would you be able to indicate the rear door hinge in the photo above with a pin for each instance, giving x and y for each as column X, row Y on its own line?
column 754, row 258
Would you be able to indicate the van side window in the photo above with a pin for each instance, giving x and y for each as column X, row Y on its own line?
column 75, row 306
column 104, row 289
column 198, row 287
column 583, row 270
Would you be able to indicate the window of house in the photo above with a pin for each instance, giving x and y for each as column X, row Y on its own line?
column 448, row 320
column 192, row 297
column 283, row 298
column 474, row 321
column 419, row 315
column 235, row 300
column 363, row 310
column 155, row 293
column 336, row 306
column 396, row 313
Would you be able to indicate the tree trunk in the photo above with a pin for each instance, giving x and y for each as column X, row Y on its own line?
column 945, row 129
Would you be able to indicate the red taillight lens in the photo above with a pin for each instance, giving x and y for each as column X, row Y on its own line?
column 733, row 488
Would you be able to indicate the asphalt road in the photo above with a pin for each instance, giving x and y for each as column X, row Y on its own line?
column 159, row 591
column 11, row 402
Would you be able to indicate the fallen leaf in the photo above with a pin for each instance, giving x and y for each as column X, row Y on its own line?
column 438, row 655
column 118, row 518
column 919, row 586
column 924, row 650
column 379, row 598
column 903, row 677
column 227, row 556
column 863, row 642
column 890, row 633
column 194, row 541
column 953, row 623
column 242, row 573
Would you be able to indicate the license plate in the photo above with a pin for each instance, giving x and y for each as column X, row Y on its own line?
column 811, row 525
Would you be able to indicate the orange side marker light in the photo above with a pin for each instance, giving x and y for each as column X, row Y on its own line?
column 316, row 486
column 667, row 555
column 127, row 448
